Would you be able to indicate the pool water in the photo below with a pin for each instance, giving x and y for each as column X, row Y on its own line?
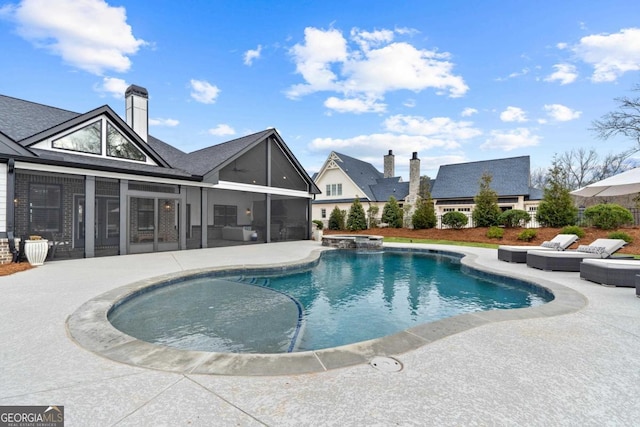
column 348, row 297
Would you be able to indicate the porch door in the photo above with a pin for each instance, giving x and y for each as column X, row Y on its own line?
column 153, row 224
column 107, row 222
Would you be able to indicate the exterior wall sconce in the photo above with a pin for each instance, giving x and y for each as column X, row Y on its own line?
column 248, row 212
column 15, row 202
column 167, row 206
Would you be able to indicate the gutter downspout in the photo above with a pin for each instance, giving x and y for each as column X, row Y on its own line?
column 11, row 194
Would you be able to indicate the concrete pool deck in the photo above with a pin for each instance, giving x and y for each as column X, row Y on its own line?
column 577, row 368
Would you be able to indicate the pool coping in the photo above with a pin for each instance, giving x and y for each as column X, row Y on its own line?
column 90, row 328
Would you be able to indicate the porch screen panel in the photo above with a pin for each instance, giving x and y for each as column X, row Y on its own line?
column 107, row 217
column 289, row 218
column 250, row 168
column 45, row 208
column 283, row 173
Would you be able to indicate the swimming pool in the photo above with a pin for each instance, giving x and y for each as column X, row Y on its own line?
column 345, row 297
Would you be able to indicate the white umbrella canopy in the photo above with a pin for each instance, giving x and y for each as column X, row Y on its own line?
column 627, row 182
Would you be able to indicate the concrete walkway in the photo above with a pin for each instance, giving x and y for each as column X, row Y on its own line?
column 581, row 368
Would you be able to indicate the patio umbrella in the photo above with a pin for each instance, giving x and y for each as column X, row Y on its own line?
column 624, row 183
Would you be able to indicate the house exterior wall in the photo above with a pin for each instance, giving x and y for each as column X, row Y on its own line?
column 3, row 197
column 337, row 176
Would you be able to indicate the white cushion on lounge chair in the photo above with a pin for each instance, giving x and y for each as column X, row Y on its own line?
column 610, row 246
column 564, row 241
column 621, row 264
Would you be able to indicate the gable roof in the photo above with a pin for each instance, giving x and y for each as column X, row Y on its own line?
column 23, row 124
column 462, row 180
column 363, row 174
column 213, row 158
column 370, row 180
column 20, row 119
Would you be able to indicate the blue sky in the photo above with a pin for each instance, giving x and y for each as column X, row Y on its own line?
column 455, row 81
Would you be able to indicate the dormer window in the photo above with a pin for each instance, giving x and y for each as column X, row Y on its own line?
column 91, row 139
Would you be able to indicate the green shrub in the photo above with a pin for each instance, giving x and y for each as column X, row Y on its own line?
column 573, row 229
column 425, row 215
column 319, row 224
column 336, row 219
column 486, row 211
column 356, row 219
column 392, row 213
column 495, row 232
column 527, row 235
column 514, row 218
column 455, row 220
column 620, row 235
column 608, row 216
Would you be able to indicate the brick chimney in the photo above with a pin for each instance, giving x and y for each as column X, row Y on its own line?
column 389, row 165
column 137, row 110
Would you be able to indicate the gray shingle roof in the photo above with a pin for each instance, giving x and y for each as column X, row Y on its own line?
column 363, row 174
column 40, row 117
column 387, row 187
column 24, row 123
column 207, row 159
column 510, row 178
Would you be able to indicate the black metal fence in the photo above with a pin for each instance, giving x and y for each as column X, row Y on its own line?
column 533, row 223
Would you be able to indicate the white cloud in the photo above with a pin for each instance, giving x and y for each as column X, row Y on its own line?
column 467, row 112
column 381, row 142
column 513, row 114
column 314, row 58
column 164, row 122
column 222, row 130
column 354, row 105
column 561, row 113
column 409, row 103
column 366, row 39
column 370, row 66
column 112, row 86
column 510, row 140
column 565, row 74
column 442, row 128
column 611, row 55
column 203, row 91
column 88, row 34
column 252, row 54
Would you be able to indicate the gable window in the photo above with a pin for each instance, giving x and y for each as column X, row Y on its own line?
column 45, row 204
column 85, row 140
column 119, row 146
column 334, row 189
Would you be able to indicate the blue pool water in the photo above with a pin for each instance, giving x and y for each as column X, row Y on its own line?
column 346, row 298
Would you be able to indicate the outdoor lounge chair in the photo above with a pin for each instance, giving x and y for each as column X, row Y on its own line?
column 570, row 260
column 519, row 253
column 611, row 272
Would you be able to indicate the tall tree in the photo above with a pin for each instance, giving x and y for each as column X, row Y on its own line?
column 624, row 121
column 486, row 211
column 556, row 208
column 356, row 219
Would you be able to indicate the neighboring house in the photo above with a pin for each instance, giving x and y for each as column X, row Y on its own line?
column 456, row 185
column 101, row 185
column 343, row 178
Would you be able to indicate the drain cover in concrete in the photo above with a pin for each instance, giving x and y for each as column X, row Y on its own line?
column 386, row 364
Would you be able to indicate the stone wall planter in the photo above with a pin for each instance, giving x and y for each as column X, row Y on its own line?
column 36, row 251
